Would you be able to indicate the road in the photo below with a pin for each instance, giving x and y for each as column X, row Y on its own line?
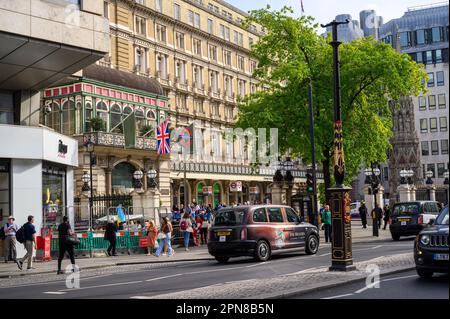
column 404, row 285
column 131, row 281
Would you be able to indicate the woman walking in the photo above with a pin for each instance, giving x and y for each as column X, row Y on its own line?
column 151, row 235
column 204, row 229
column 186, row 229
column 64, row 231
column 167, row 229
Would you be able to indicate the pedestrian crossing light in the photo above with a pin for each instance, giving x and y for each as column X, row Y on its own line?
column 309, row 183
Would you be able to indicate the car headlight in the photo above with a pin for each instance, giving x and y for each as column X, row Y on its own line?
column 425, row 239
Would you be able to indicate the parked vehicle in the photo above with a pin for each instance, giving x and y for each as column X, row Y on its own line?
column 354, row 210
column 431, row 247
column 259, row 231
column 409, row 218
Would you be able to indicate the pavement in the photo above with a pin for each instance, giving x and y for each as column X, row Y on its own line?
column 10, row 270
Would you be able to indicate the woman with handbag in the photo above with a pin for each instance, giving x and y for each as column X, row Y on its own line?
column 167, row 229
column 151, row 235
column 186, row 229
column 66, row 243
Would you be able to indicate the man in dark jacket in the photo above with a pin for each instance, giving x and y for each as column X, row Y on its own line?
column 110, row 235
column 363, row 214
column 387, row 216
column 377, row 215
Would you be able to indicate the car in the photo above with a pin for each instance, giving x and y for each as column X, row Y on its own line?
column 259, row 231
column 431, row 247
column 354, row 210
column 409, row 218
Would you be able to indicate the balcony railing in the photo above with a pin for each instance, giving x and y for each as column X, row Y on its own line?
column 116, row 140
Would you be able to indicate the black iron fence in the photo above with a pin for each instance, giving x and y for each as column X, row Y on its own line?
column 101, row 204
column 441, row 195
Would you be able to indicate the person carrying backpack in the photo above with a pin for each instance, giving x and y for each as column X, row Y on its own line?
column 64, row 231
column 27, row 235
column 10, row 230
column 186, row 229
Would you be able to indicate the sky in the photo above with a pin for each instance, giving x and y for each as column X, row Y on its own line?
column 324, row 11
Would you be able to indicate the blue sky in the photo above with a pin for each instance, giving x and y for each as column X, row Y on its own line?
column 325, row 10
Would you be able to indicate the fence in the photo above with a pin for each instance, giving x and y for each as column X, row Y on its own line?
column 440, row 194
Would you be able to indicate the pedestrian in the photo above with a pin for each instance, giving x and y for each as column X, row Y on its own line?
column 387, row 216
column 167, row 229
column 151, row 237
column 379, row 216
column 204, row 229
column 363, row 214
column 138, row 225
column 186, row 229
column 327, row 223
column 64, row 231
column 376, row 212
column 110, row 235
column 29, row 232
column 10, row 230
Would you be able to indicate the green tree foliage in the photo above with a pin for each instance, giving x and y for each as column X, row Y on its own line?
column 372, row 73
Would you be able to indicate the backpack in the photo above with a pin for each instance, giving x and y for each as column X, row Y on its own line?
column 20, row 235
column 183, row 225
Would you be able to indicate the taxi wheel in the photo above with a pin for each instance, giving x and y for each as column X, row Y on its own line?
column 312, row 245
column 222, row 260
column 262, row 252
column 424, row 273
column 395, row 237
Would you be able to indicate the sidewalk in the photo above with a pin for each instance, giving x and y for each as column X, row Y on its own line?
column 198, row 253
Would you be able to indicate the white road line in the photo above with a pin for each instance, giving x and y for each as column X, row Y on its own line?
column 101, row 286
column 379, row 246
column 367, row 287
column 383, row 280
column 141, row 297
column 339, row 296
column 325, row 254
column 54, row 292
column 164, row 277
column 397, row 278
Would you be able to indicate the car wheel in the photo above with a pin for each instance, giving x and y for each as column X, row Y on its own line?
column 424, row 273
column 222, row 260
column 312, row 245
column 262, row 252
column 395, row 237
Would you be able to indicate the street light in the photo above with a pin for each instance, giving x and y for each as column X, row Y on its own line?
column 372, row 179
column 89, row 145
column 410, row 174
column 138, row 175
column 446, row 183
column 429, row 175
column 152, row 176
column 85, row 179
column 403, row 175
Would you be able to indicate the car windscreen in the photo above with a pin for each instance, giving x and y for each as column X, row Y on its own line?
column 229, row 217
column 443, row 217
column 405, row 209
column 353, row 206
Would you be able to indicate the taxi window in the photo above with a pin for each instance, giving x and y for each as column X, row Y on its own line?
column 260, row 216
column 275, row 215
column 292, row 217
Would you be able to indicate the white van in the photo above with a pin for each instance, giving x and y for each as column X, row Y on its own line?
column 354, row 210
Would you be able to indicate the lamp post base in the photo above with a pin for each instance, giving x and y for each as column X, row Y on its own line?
column 338, row 266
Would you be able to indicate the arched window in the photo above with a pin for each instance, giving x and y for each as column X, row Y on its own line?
column 200, row 193
column 127, row 110
column 68, row 117
column 78, row 110
column 140, row 120
column 217, row 194
column 55, row 116
column 88, row 114
column 116, row 117
column 151, row 118
column 102, row 112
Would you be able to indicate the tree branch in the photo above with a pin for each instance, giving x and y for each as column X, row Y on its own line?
column 361, row 88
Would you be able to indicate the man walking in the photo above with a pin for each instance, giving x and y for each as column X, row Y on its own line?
column 363, row 214
column 30, row 243
column 10, row 239
column 376, row 213
column 387, row 216
column 110, row 235
column 64, row 231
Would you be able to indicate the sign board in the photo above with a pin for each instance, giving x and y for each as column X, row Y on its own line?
column 254, row 190
column 207, row 190
column 236, row 186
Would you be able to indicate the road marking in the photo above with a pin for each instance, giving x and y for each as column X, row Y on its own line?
column 379, row 246
column 339, row 296
column 140, row 297
column 54, row 292
column 383, row 280
column 325, row 254
column 164, row 277
column 108, row 285
column 367, row 287
column 397, row 278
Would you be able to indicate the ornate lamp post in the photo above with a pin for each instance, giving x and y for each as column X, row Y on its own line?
column 429, row 182
column 446, row 175
column 403, row 176
column 372, row 178
column 138, row 175
column 410, row 174
column 89, row 145
column 152, row 178
column 341, row 257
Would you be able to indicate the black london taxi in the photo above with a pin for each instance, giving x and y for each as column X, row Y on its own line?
column 431, row 247
column 409, row 218
column 259, row 231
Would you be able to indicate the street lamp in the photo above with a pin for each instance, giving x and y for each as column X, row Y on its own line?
column 410, row 174
column 446, row 183
column 85, row 179
column 429, row 175
column 152, row 176
column 372, row 178
column 89, row 145
column 341, row 242
column 138, row 175
column 403, row 176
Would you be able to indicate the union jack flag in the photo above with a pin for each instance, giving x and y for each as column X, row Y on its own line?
column 163, row 137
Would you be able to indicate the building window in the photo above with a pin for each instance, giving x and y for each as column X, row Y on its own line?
column 252, row 88
column 142, row 2
column 103, row 112
column 177, row 11
column 438, row 56
column 179, row 38
column 434, row 147
column 68, row 117
column 419, row 57
column 425, row 148
column 441, row 169
column 181, row 101
column 161, row 66
column 140, row 25
column 241, row 88
column 432, row 102
column 7, row 108
column 250, row 41
column 230, row 113
column 241, row 63
column 198, row 106
column 213, row 85
column 238, row 38
column 141, row 60
column 437, row 34
column 443, row 124
column 228, row 86
column 227, row 15
column 180, row 73
column 161, row 33
column 441, row 101
column 430, row 79
column 158, row 5
column 225, row 32
column 213, row 52
column 210, row 26
column 444, row 147
column 428, row 57
column 116, row 117
column 197, row 47
column 405, row 39
column 106, row 9
column 422, row 103
column 432, row 167
column 420, row 36
column 197, row 76
column 227, row 57
column 194, row 19
column 440, row 78
column 433, row 124
column 252, row 66
column 423, row 126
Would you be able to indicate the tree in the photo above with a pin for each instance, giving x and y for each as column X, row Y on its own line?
column 372, row 73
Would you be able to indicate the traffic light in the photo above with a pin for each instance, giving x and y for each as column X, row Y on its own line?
column 309, row 183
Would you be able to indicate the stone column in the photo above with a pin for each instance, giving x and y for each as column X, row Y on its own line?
column 404, row 192
column 277, row 191
column 108, row 181
column 369, row 199
column 432, row 192
column 412, row 192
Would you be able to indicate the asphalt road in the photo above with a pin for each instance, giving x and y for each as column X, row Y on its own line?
column 130, row 281
column 404, row 285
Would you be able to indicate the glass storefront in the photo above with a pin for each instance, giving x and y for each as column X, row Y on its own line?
column 5, row 208
column 53, row 195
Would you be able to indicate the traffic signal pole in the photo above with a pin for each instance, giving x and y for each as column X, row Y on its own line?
column 313, row 154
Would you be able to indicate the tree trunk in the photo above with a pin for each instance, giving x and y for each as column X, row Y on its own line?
column 327, row 174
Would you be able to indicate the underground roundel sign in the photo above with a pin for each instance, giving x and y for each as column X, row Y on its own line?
column 185, row 137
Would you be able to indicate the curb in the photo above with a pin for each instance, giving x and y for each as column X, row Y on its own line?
column 330, row 284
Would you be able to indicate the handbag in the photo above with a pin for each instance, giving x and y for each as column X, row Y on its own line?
column 72, row 240
column 161, row 235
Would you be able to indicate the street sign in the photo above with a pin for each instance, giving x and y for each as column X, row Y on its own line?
column 236, row 186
